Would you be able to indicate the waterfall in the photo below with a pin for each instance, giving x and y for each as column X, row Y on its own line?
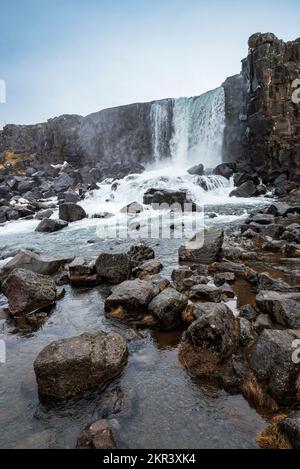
column 160, row 127
column 198, row 125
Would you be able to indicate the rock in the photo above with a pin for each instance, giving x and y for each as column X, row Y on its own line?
column 248, row 312
column 261, row 189
column 167, row 308
column 27, row 291
column 203, row 251
column 278, row 209
column 51, row 226
column 113, row 268
column 71, row 212
column 44, row 214
column 224, row 277
column 152, row 267
column 82, row 272
column 274, row 245
column 69, row 197
column 34, row 262
column 263, row 218
column 131, row 298
column 179, row 275
column 225, row 169
column 227, row 291
column 197, row 170
column 206, row 293
column 216, row 331
column 247, row 189
column 266, row 282
column 271, row 360
column 247, row 334
column 97, row 435
column 194, row 280
column 290, row 427
column 140, row 253
column 62, row 183
column 133, row 209
column 69, row 367
column 283, row 308
column 263, row 321
column 103, row 215
column 164, row 196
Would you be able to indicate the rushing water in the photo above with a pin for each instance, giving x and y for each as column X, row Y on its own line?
column 163, row 406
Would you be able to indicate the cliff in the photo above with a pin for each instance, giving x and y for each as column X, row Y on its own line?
column 262, row 132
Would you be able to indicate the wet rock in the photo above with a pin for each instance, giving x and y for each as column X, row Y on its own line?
column 152, row 267
column 274, row 245
column 263, row 321
column 167, row 308
column 68, row 197
column 71, row 212
column 263, row 219
column 290, row 427
column 247, row 333
column 27, row 291
column 283, row 308
column 51, row 226
column 248, row 312
column 133, row 209
column 247, row 189
column 34, row 262
column 236, row 268
column 44, row 214
column 82, row 272
column 206, row 293
column 97, row 435
column 130, row 299
column 197, row 170
column 69, row 367
column 113, row 268
column 102, row 215
column 164, row 196
column 159, row 283
column 271, row 359
column 194, row 280
column 204, row 247
column 266, row 282
column 179, row 275
column 227, row 291
column 141, row 252
column 224, row 277
column 278, row 209
column 216, row 331
column 62, row 183
column 225, row 169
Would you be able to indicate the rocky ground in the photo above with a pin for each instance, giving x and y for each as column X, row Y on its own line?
column 250, row 350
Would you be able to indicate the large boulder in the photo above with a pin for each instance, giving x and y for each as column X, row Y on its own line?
column 167, row 308
column 225, row 169
column 141, row 252
column 71, row 212
column 62, row 183
column 70, row 367
column 271, row 359
column 113, row 268
column 266, row 282
column 203, row 248
column 283, row 308
column 131, row 299
column 27, row 291
column 215, row 330
column 47, row 213
column 48, row 225
column 35, row 263
column 152, row 267
column 247, row 189
column 206, row 293
column 97, row 435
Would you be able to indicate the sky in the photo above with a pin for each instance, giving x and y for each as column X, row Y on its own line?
column 80, row 56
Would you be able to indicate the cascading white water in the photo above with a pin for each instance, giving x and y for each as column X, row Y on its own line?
column 159, row 120
column 199, row 124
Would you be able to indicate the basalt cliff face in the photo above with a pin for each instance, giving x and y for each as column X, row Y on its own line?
column 262, row 132
column 122, row 135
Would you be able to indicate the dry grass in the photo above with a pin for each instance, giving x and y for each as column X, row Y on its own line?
column 255, row 394
column 12, row 158
column 198, row 362
column 271, row 437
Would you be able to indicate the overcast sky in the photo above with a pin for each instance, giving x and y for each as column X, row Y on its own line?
column 80, row 56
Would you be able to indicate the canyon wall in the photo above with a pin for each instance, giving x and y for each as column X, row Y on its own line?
column 262, row 132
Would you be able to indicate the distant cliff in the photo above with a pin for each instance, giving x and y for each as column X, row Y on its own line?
column 262, row 132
